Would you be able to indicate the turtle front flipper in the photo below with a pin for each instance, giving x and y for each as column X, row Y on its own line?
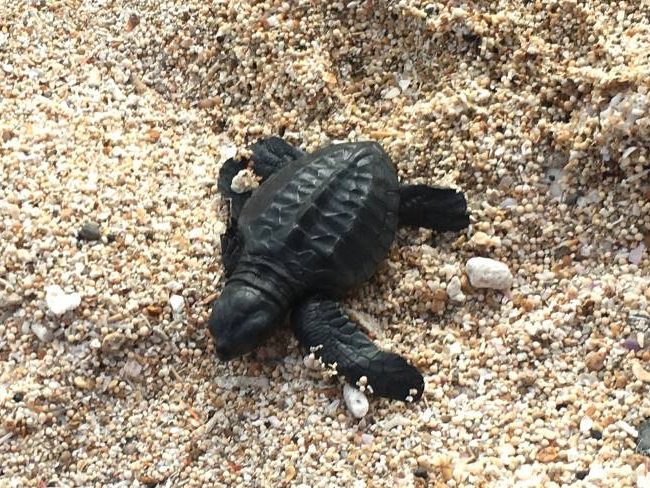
column 268, row 156
column 323, row 327
column 434, row 208
column 231, row 248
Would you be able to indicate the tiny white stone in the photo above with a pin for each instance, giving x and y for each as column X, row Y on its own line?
column 331, row 408
column 640, row 373
column 175, row 285
column 273, row 20
column 449, row 270
column 367, row 439
column 131, row 369
column 628, row 429
column 355, row 400
column 573, row 455
column 455, row 349
column 586, row 424
column 454, row 290
column 395, row 421
column 311, row 362
column 508, row 203
column 195, row 233
column 596, row 473
column 506, row 450
column 532, row 329
column 219, row 227
column 636, row 254
column 177, row 302
column 404, row 84
column 525, row 472
column 228, row 151
column 58, row 302
column 642, row 472
column 94, row 78
column 43, row 333
column 488, row 273
column 392, row 93
column 163, row 227
column 244, row 181
column 426, row 415
column 628, row 151
column 274, row 421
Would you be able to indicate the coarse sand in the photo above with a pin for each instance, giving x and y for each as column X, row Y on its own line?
column 115, row 117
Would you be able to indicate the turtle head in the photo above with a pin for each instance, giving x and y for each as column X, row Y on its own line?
column 241, row 319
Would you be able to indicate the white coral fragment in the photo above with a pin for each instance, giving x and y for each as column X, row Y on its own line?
column 58, row 302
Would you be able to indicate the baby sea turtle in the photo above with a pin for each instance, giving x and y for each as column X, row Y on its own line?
column 317, row 227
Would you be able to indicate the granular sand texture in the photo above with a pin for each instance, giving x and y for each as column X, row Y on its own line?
column 114, row 119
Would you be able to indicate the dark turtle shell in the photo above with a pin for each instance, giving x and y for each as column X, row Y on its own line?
column 327, row 219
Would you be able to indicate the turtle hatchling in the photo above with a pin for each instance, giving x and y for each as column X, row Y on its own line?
column 317, row 226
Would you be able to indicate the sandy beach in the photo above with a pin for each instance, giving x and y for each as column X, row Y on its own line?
column 115, row 117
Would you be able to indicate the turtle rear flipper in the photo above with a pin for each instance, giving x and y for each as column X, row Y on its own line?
column 434, row 208
column 322, row 326
column 269, row 155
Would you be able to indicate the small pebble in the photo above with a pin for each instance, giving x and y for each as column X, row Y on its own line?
column 632, row 344
column 244, row 181
column 395, row 421
column 196, row 233
column 90, row 231
column 595, row 360
column 355, row 400
column 455, row 291
column 420, row 472
column 10, row 301
column 367, row 439
column 488, row 273
column 132, row 369
column 627, row 428
column 586, row 424
column 455, row 349
column 481, row 239
column 177, row 303
column 58, row 302
column 643, row 438
column 113, row 341
column 41, row 331
column 640, row 373
column 82, row 383
column 636, row 254
column 596, row 434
